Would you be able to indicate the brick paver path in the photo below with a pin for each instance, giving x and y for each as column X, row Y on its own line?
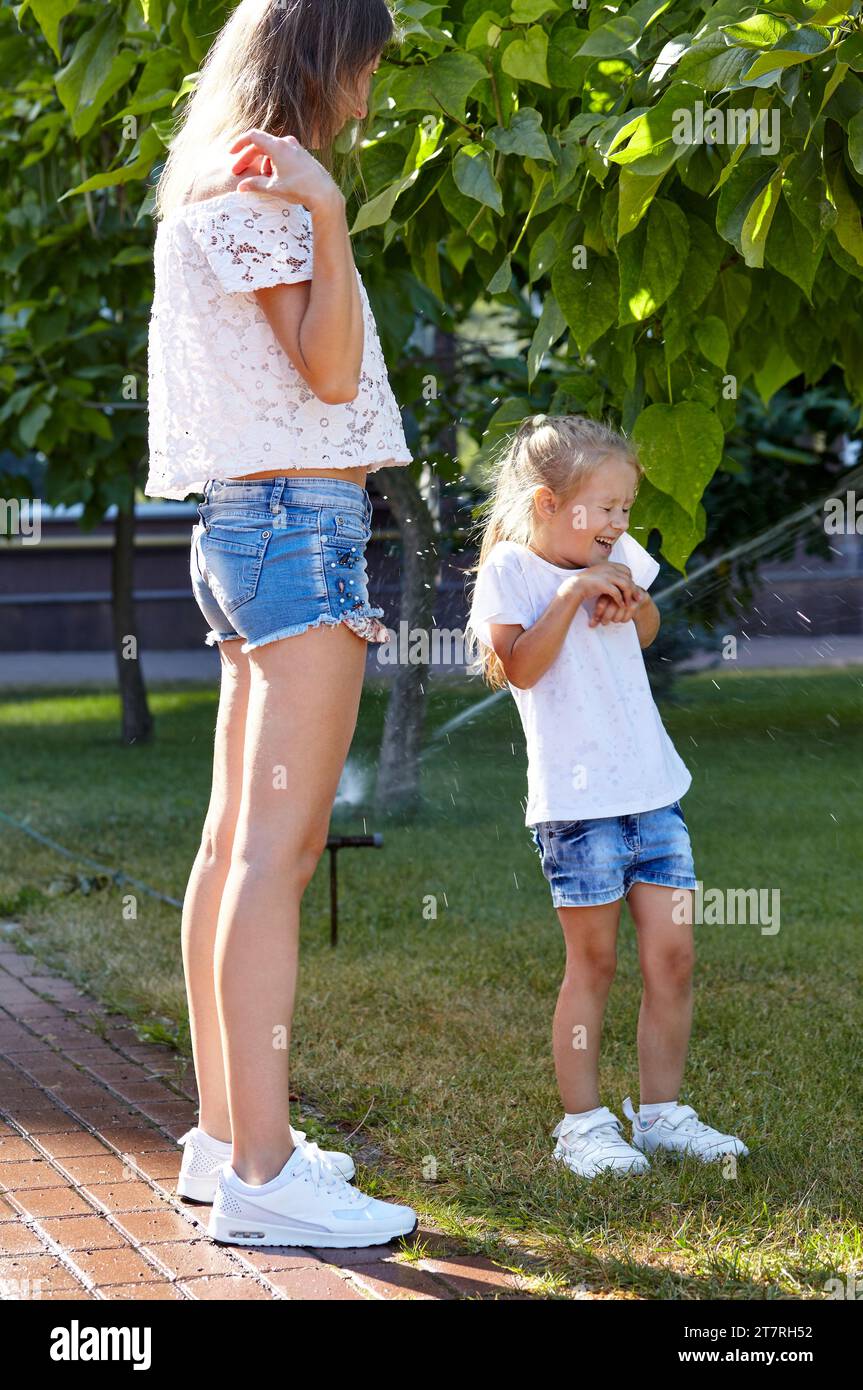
column 89, row 1118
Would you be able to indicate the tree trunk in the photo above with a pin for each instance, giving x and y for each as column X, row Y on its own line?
column 398, row 780
column 137, row 720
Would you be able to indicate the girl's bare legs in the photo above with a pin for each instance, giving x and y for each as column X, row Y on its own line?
column 206, row 885
column 590, row 934
column 666, row 952
column 303, row 699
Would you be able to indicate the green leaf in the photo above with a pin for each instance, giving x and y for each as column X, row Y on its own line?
column 850, row 51
column 651, row 261
column 526, row 11
column 758, row 31
column 617, row 36
column 587, row 298
column 48, row 14
column 702, row 265
column 791, row 250
column 551, row 326
column 847, row 227
column 680, row 447
column 747, row 182
column 524, row 136
column 855, row 141
column 712, row 338
column 527, row 58
column 502, row 278
column 796, row 47
column 451, row 78
column 713, row 64
column 680, row 532
column 757, row 222
column 474, row 176
column 379, row 210
column 636, row 194
column 97, row 68
column 654, row 137
column 778, row 369
column 485, row 31
column 146, row 149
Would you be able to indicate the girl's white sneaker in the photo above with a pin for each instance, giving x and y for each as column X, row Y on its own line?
column 680, row 1131
column 591, row 1145
column 203, row 1157
column 309, row 1203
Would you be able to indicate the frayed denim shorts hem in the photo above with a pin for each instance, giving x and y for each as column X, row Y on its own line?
column 594, row 862
column 277, row 557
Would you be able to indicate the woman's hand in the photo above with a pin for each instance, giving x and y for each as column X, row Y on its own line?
column 287, row 170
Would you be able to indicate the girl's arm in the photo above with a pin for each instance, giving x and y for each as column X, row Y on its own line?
column 318, row 323
column 527, row 653
column 645, row 615
column 646, row 618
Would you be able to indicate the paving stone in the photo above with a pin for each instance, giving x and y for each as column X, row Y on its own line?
column 160, row 1225
column 30, row 1270
column 53, row 1201
column 393, row 1279
column 142, row 1292
column 281, row 1257
column 123, row 1266
column 160, row 1165
column 130, row 1195
column 14, row 1150
column 93, row 1168
column 18, row 1239
column 83, row 1233
column 77, row 1145
column 240, row 1286
column 192, row 1258
column 18, row 1177
column 318, row 1281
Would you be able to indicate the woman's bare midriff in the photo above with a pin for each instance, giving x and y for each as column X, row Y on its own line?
column 349, row 475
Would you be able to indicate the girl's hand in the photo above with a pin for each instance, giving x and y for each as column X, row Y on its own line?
column 609, row 578
column 606, row 610
column 287, row 170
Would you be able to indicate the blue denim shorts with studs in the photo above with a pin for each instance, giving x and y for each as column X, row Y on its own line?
column 274, row 557
column 591, row 862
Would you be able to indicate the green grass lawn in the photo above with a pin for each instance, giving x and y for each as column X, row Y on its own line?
column 433, row 1033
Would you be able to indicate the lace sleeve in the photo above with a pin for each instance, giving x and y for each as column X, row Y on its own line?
column 255, row 242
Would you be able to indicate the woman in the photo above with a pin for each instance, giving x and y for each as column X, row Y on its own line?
column 269, row 393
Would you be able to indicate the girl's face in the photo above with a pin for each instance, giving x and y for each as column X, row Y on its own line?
column 580, row 530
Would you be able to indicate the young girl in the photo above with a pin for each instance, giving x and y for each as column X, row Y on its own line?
column 268, row 392
column 561, row 613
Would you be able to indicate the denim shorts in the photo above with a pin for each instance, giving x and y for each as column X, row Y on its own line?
column 590, row 862
column 273, row 558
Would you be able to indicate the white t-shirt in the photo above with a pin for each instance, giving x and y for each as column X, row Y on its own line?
column 596, row 745
column 224, row 398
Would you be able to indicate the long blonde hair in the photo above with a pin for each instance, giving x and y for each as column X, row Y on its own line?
column 554, row 451
column 284, row 66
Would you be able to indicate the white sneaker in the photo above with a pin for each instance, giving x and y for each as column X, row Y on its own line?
column 204, row 1156
column 589, row 1146
column 680, row 1131
column 309, row 1203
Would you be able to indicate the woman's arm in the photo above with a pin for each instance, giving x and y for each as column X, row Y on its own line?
column 318, row 322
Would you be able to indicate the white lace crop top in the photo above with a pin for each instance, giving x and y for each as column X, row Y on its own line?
column 224, row 399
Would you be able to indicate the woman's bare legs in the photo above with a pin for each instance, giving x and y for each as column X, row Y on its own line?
column 206, row 885
column 590, row 934
column 303, row 700
column 666, row 952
